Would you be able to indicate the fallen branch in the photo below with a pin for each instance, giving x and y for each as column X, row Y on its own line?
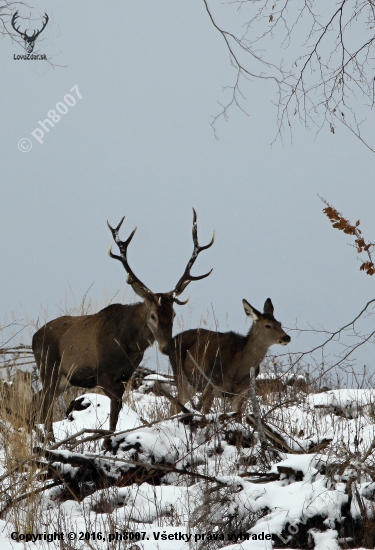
column 92, row 463
column 260, row 477
column 100, row 433
column 164, row 392
column 27, row 495
column 271, row 435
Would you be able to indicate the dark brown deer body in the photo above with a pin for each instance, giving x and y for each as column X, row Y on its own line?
column 105, row 348
column 220, row 362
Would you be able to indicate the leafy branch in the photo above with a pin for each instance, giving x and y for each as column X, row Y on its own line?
column 339, row 222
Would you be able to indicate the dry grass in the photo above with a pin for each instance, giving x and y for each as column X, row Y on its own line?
column 25, row 475
column 16, row 448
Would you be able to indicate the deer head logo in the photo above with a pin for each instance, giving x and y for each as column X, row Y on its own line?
column 29, row 40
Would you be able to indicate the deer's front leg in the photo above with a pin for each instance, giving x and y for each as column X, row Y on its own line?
column 116, row 406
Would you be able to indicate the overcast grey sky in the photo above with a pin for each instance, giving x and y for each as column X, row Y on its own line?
column 139, row 143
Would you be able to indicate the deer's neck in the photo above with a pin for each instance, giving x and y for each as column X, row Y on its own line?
column 252, row 356
column 137, row 332
column 254, row 352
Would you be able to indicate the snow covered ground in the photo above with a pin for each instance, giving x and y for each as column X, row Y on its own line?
column 213, row 486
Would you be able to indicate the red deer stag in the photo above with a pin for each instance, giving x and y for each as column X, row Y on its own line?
column 220, row 362
column 105, row 348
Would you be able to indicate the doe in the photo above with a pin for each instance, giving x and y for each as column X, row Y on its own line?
column 220, row 362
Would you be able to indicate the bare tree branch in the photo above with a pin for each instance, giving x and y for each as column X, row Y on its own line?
column 319, row 56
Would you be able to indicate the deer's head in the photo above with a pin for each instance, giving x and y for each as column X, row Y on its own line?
column 160, row 312
column 29, row 40
column 267, row 330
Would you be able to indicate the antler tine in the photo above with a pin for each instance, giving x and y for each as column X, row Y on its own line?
column 37, row 33
column 123, row 246
column 195, row 237
column 15, row 16
column 186, row 277
column 24, row 34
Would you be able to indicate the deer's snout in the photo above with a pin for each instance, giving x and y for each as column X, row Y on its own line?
column 285, row 340
column 164, row 349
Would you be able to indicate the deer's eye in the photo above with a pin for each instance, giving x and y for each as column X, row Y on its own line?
column 268, row 326
column 153, row 317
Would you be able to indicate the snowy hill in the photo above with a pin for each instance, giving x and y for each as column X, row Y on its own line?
column 191, row 481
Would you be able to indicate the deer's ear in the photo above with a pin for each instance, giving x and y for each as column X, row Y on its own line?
column 268, row 307
column 251, row 311
column 144, row 293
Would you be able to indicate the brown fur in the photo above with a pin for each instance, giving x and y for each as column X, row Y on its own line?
column 104, row 349
column 224, row 357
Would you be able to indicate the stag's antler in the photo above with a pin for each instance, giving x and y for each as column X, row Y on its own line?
column 29, row 39
column 138, row 287
column 35, row 36
column 15, row 16
column 186, row 277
